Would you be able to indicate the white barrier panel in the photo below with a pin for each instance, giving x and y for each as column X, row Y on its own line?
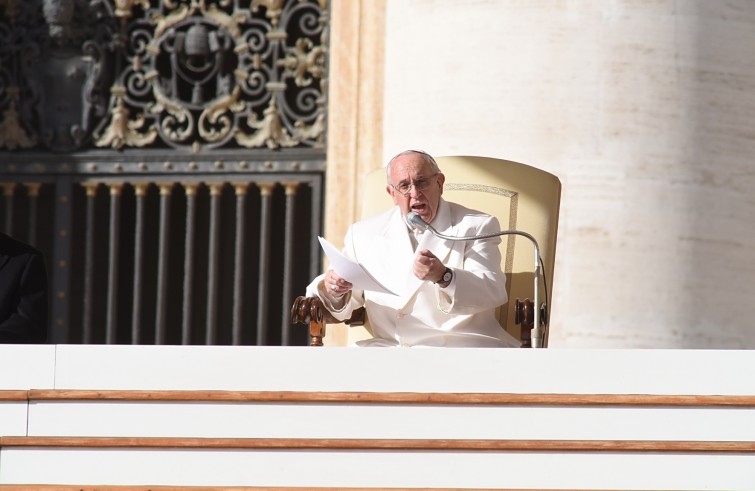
column 377, row 418
column 22, row 367
column 453, row 469
column 27, row 366
column 417, row 370
column 307, row 420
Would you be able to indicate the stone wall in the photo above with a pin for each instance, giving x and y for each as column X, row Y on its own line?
column 646, row 112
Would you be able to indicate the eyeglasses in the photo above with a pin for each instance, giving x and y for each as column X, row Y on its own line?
column 420, row 185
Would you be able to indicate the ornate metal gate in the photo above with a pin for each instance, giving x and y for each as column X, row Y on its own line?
column 167, row 156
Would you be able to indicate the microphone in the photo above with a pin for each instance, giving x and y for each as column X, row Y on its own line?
column 418, row 223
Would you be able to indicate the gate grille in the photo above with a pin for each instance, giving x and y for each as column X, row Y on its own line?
column 167, row 156
column 180, row 260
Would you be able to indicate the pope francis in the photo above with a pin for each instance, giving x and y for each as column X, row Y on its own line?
column 445, row 292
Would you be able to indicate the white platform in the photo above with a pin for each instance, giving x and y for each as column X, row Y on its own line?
column 379, row 371
column 566, row 371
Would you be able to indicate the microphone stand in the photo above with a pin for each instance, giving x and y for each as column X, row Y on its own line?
column 537, row 332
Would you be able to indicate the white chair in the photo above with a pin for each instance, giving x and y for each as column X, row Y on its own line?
column 522, row 197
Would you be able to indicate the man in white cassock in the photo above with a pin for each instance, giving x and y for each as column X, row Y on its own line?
column 446, row 291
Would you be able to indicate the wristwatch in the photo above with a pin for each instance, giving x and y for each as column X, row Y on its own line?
column 446, row 278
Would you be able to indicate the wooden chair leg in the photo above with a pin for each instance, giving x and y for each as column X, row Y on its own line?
column 524, row 316
column 316, row 333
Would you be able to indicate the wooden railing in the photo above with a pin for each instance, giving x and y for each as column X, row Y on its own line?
column 219, row 404
column 409, row 398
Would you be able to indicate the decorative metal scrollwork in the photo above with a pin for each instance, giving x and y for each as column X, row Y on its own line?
column 151, row 74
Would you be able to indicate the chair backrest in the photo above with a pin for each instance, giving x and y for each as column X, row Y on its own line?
column 522, row 197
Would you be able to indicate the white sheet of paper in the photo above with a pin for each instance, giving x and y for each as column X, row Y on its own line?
column 351, row 270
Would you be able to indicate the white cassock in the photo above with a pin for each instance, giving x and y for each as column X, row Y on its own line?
column 423, row 314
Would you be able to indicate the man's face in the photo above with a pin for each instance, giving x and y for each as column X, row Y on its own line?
column 412, row 169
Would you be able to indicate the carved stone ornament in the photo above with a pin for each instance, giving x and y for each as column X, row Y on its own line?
column 51, row 66
column 156, row 74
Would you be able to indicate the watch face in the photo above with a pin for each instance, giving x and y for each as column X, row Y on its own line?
column 447, row 276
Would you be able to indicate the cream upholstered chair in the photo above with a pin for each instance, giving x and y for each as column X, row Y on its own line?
column 522, row 197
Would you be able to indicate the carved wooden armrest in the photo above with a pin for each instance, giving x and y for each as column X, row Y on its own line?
column 310, row 310
column 524, row 316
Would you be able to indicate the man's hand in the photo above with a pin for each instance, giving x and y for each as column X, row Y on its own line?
column 427, row 267
column 335, row 285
